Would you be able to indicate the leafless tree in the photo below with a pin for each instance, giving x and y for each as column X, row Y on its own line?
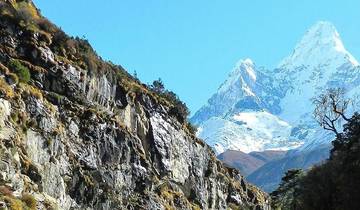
column 330, row 108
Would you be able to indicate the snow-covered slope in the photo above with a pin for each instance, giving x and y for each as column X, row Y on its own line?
column 318, row 60
column 257, row 131
column 245, row 88
column 257, row 109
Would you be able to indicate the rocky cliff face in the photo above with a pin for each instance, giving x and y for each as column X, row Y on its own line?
column 81, row 133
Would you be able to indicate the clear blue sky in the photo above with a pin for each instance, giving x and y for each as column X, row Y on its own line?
column 193, row 44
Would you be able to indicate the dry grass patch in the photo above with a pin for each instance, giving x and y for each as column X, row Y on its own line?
column 32, row 91
column 29, row 201
column 5, row 89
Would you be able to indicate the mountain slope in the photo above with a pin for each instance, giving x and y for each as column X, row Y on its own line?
column 240, row 160
column 244, row 89
column 247, row 131
column 80, row 133
column 248, row 163
column 269, row 175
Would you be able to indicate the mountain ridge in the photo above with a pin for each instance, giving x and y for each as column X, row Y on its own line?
column 319, row 61
column 280, row 116
column 248, row 163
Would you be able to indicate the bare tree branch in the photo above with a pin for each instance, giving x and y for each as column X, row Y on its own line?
column 330, row 108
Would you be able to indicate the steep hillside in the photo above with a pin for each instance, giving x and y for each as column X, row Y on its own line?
column 240, row 160
column 268, row 155
column 77, row 132
column 269, row 175
column 248, row 163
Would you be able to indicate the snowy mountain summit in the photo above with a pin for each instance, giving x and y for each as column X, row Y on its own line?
column 321, row 44
column 257, row 109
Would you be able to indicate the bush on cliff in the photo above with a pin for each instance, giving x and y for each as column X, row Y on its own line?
column 20, row 70
column 179, row 108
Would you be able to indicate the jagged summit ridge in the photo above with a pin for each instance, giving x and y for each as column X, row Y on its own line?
column 240, row 83
column 323, row 42
column 243, row 75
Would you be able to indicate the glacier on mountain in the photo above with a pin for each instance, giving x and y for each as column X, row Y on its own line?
column 257, row 109
column 257, row 130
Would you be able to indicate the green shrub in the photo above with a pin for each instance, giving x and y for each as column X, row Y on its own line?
column 59, row 41
column 179, row 108
column 14, row 117
column 26, row 11
column 285, row 197
column 158, row 86
column 180, row 111
column 192, row 128
column 21, row 71
column 5, row 10
column 45, row 25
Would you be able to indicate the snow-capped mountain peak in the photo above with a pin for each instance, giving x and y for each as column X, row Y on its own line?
column 243, row 72
column 322, row 41
column 256, row 109
column 241, row 82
